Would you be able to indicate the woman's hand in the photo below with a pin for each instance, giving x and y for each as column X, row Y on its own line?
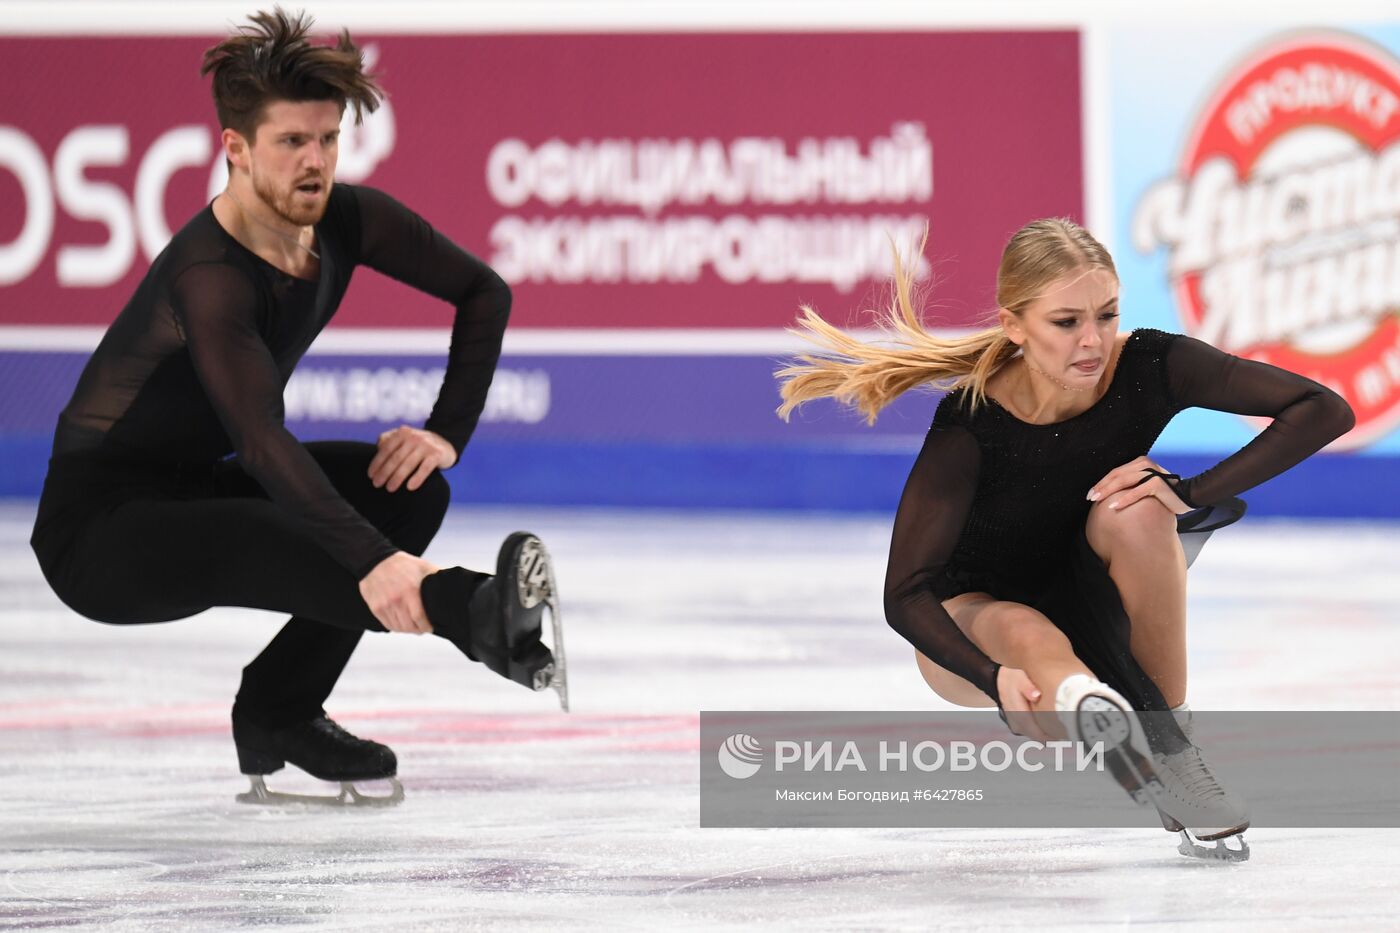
column 1018, row 694
column 410, row 454
column 1131, row 482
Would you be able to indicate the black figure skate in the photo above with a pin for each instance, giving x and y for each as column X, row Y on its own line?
column 506, row 615
column 323, row 750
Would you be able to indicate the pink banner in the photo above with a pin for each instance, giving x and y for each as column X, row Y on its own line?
column 617, row 181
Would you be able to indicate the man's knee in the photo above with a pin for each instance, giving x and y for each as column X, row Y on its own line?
column 407, row 517
column 418, row 513
column 434, row 496
column 101, row 601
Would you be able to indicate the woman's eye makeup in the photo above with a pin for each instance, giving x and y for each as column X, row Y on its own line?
column 1069, row 321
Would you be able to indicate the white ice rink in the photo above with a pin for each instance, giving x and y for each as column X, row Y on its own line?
column 117, row 771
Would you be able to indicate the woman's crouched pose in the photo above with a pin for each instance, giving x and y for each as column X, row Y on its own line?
column 1035, row 561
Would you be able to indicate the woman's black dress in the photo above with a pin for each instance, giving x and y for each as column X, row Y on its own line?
column 997, row 505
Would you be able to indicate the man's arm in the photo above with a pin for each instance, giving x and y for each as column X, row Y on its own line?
column 216, row 308
column 397, row 242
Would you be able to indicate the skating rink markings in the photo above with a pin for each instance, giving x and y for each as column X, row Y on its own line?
column 117, row 772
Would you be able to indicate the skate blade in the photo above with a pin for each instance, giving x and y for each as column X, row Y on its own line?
column 553, row 675
column 558, row 679
column 349, row 796
column 537, row 585
column 1221, row 851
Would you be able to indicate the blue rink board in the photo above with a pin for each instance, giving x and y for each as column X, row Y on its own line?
column 673, row 432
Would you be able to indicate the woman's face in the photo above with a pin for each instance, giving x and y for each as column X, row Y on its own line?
column 1068, row 332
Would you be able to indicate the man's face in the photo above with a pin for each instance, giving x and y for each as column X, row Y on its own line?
column 292, row 158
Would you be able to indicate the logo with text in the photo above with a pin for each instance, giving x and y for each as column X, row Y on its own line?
column 741, row 756
column 1282, row 222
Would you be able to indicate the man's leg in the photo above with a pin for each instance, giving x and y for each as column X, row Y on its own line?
column 162, row 553
column 292, row 677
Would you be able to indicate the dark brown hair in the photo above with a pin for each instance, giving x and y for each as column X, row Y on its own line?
column 272, row 60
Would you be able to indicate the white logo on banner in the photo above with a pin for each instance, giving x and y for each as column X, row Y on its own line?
column 138, row 218
column 740, row 756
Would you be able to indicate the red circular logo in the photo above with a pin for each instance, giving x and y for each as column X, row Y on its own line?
column 1283, row 224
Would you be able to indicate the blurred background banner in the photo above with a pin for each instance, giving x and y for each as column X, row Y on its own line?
column 1257, row 206
column 638, row 181
column 661, row 203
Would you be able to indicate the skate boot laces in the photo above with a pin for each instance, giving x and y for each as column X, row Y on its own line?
column 1201, row 801
column 1195, row 774
column 334, row 732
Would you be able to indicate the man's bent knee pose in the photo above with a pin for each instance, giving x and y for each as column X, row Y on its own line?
column 145, row 516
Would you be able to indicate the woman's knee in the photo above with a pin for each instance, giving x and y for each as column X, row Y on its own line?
column 1146, row 523
column 1010, row 633
column 1020, row 633
column 956, row 690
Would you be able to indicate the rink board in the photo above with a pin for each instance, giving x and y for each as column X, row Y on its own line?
column 566, row 177
column 571, row 430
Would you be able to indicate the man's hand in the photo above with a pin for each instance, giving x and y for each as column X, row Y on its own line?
column 410, row 454
column 1131, row 482
column 391, row 590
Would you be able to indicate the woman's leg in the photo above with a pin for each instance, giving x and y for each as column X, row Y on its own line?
column 1013, row 635
column 1140, row 548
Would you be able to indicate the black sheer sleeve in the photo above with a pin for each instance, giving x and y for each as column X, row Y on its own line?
column 1307, row 416
column 396, row 241
column 932, row 512
column 215, row 306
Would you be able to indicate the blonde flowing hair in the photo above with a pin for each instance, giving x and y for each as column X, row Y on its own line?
column 868, row 376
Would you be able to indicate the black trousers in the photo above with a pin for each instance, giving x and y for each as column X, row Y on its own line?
column 135, row 543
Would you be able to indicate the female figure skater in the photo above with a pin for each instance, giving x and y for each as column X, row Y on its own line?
column 1035, row 560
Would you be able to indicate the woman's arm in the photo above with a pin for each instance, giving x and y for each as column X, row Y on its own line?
column 932, row 512
column 1307, row 416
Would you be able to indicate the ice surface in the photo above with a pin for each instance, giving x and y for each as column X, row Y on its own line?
column 117, row 772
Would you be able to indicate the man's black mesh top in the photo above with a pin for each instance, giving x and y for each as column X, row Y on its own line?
column 194, row 367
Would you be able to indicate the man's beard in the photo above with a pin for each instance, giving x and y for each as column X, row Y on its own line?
column 291, row 208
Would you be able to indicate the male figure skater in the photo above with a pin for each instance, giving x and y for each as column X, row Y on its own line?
column 146, row 518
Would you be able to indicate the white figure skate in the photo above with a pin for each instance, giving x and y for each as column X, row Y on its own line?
column 1191, row 769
